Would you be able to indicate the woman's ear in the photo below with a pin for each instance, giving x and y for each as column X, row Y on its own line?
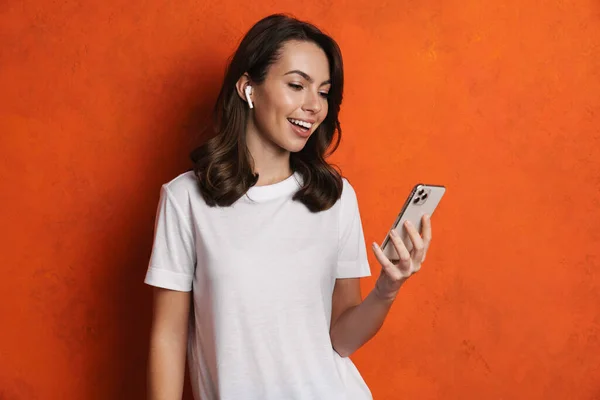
column 241, row 86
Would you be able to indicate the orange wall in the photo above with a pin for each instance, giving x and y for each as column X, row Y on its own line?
column 499, row 101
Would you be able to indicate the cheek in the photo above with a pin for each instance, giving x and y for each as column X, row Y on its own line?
column 286, row 103
column 269, row 117
column 275, row 108
column 324, row 112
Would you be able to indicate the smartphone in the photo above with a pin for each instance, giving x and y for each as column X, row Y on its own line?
column 423, row 199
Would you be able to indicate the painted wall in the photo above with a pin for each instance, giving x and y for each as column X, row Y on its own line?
column 499, row 101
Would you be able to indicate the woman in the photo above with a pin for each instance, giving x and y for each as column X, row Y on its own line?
column 263, row 239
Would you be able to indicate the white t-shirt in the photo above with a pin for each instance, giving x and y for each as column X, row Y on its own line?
column 262, row 272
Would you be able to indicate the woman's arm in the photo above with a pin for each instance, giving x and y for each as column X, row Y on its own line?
column 355, row 322
column 168, row 344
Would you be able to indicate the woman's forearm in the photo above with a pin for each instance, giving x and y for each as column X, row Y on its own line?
column 360, row 323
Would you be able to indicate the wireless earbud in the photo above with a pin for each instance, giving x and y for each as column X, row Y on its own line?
column 248, row 91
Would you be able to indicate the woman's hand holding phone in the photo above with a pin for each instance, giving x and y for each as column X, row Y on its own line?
column 394, row 274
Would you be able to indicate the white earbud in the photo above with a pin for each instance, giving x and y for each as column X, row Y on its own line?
column 248, row 90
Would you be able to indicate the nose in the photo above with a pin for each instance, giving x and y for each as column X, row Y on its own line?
column 312, row 102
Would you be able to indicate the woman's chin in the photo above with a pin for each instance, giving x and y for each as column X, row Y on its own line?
column 296, row 144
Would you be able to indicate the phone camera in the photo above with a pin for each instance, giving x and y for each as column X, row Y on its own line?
column 424, row 196
column 421, row 191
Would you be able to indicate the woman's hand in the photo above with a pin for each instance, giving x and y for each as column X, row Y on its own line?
column 393, row 275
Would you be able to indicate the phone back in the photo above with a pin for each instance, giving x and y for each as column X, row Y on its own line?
column 422, row 200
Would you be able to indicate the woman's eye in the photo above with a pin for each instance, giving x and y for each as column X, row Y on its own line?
column 298, row 87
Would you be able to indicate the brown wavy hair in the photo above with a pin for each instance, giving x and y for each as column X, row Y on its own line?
column 223, row 164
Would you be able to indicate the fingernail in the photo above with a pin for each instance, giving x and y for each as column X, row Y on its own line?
column 394, row 233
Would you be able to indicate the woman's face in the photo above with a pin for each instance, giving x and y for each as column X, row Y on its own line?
column 292, row 101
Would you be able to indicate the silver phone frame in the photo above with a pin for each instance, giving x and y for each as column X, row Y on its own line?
column 403, row 210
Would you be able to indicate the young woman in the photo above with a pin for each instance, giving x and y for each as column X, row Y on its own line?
column 258, row 250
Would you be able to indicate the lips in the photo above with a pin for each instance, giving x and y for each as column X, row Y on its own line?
column 299, row 130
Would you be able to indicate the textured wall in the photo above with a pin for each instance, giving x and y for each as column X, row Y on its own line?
column 499, row 101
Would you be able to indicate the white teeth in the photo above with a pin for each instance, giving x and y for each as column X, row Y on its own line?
column 303, row 124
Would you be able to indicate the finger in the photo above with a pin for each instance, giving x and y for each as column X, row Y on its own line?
column 417, row 241
column 426, row 230
column 403, row 253
column 390, row 269
column 426, row 234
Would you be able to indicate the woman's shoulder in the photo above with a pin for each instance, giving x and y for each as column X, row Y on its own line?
column 348, row 192
column 183, row 185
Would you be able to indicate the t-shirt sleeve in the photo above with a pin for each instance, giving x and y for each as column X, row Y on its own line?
column 352, row 252
column 173, row 257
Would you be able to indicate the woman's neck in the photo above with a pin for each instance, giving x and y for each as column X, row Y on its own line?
column 270, row 162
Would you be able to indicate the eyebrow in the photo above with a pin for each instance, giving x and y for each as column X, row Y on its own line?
column 306, row 76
